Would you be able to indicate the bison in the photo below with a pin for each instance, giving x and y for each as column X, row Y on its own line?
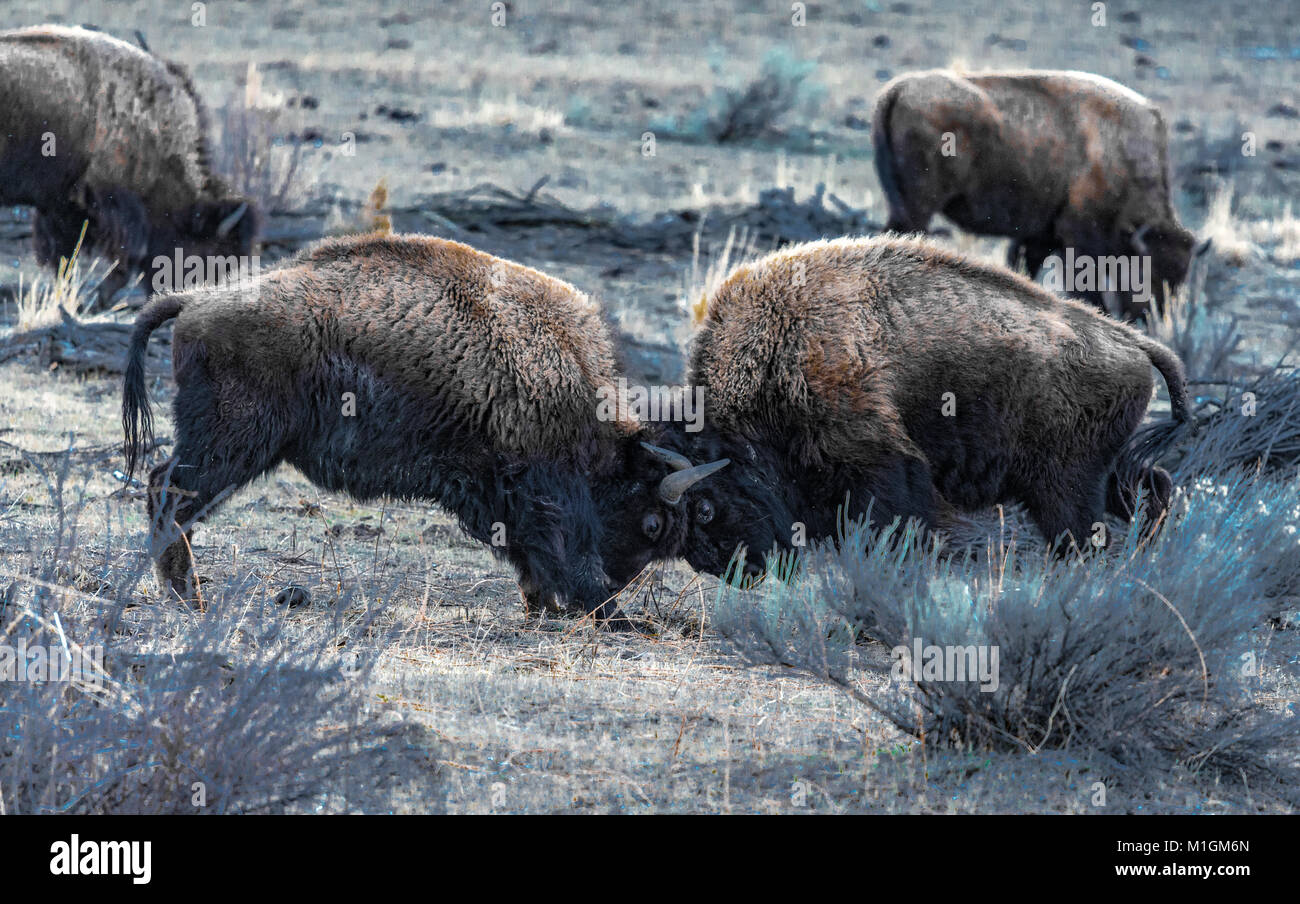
column 95, row 131
column 1063, row 163
column 893, row 374
column 415, row 368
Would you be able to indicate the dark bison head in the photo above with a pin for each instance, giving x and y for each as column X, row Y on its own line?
column 217, row 228
column 120, row 228
column 741, row 515
column 644, row 509
column 1171, row 248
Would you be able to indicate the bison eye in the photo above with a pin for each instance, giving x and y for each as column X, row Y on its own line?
column 652, row 525
column 704, row 511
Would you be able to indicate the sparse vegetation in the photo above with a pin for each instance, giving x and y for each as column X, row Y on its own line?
column 1146, row 657
column 242, row 710
column 253, row 151
column 754, row 112
column 71, row 292
column 700, row 282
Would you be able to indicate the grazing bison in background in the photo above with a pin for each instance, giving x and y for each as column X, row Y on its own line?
column 1054, row 160
column 891, row 370
column 96, row 131
column 414, row 368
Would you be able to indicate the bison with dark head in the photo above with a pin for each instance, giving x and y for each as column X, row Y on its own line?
column 414, row 368
column 1060, row 162
column 97, row 133
column 890, row 375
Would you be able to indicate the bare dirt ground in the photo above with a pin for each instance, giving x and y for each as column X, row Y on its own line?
column 519, row 716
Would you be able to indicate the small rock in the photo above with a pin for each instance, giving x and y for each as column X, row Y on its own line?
column 293, row 596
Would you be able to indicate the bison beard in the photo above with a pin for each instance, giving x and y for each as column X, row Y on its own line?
column 828, row 391
column 577, row 524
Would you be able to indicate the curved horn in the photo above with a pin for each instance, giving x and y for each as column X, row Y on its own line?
column 675, row 484
column 229, row 222
column 665, row 456
column 1138, row 240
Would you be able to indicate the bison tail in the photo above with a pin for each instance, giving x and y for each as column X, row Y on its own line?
column 882, row 141
column 137, row 421
column 1171, row 368
column 1153, row 442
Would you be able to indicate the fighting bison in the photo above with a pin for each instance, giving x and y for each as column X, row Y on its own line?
column 95, row 131
column 893, row 373
column 414, row 368
column 1061, row 162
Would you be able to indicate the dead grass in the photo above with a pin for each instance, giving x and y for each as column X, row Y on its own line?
column 254, row 151
column 71, row 291
column 1232, row 242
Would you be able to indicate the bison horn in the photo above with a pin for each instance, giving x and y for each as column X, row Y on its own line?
column 1139, row 238
column 672, row 459
column 229, row 222
column 675, row 484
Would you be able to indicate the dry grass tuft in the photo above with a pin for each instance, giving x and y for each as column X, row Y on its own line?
column 71, row 291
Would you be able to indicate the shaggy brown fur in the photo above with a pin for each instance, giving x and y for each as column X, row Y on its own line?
column 419, row 368
column 131, row 152
column 1054, row 160
column 827, row 367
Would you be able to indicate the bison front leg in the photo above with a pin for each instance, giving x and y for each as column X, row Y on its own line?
column 536, row 602
column 901, row 487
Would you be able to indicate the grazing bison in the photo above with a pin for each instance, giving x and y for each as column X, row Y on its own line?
column 893, row 373
column 413, row 368
column 1062, row 162
column 95, row 131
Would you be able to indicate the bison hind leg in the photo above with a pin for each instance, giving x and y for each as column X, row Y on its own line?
column 1070, row 518
column 1122, row 497
column 214, row 456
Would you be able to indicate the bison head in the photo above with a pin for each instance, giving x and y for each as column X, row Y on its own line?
column 217, row 228
column 1171, row 248
column 738, row 517
column 645, row 510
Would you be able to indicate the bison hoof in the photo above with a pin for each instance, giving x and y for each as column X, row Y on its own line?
column 293, row 596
